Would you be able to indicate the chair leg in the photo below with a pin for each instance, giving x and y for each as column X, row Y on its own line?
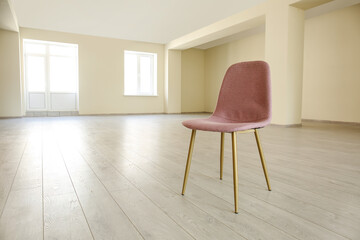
column 188, row 163
column 263, row 163
column 235, row 170
column 221, row 155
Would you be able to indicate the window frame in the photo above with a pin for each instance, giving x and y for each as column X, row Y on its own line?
column 153, row 75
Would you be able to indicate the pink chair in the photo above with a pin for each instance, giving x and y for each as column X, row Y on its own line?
column 244, row 105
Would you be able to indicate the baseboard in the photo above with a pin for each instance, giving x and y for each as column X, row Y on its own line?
column 11, row 117
column 196, row 112
column 286, row 125
column 121, row 114
column 118, row 114
column 332, row 122
column 51, row 113
column 60, row 114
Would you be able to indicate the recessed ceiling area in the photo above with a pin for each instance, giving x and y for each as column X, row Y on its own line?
column 157, row 21
column 259, row 27
column 234, row 37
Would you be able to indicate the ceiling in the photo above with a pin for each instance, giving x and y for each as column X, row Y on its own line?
column 157, row 21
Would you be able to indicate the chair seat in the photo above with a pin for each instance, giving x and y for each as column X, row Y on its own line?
column 217, row 124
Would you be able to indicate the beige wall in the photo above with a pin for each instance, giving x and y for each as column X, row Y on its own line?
column 284, row 20
column 10, row 93
column 330, row 78
column 283, row 51
column 331, row 75
column 331, row 85
column 218, row 59
column 193, row 80
column 172, row 85
column 284, row 44
column 101, row 72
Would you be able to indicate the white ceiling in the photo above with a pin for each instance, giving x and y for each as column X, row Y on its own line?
column 158, row 21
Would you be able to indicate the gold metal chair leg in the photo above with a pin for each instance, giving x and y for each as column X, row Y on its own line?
column 263, row 163
column 188, row 163
column 235, row 170
column 221, row 155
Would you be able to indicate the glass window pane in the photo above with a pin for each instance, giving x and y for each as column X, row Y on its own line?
column 63, row 74
column 140, row 72
column 35, row 72
column 145, row 75
column 62, row 50
column 35, row 48
column 131, row 74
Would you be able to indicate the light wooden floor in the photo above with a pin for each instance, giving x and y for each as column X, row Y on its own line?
column 120, row 177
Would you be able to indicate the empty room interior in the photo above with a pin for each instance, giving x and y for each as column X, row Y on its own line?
column 180, row 119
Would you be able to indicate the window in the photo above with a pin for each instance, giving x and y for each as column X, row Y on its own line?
column 51, row 75
column 140, row 78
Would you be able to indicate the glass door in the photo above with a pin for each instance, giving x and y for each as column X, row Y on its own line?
column 51, row 76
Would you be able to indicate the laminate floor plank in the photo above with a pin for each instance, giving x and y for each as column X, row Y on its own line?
column 64, row 218
column 346, row 193
column 292, row 224
column 63, row 215
column 198, row 223
column 248, row 225
column 22, row 217
column 249, row 176
column 151, row 221
column 7, row 174
column 120, row 177
column 342, row 225
column 105, row 218
column 328, row 216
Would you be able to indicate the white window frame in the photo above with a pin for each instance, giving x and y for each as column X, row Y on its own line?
column 49, row 94
column 153, row 75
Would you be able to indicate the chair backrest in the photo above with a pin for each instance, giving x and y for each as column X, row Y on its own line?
column 245, row 94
